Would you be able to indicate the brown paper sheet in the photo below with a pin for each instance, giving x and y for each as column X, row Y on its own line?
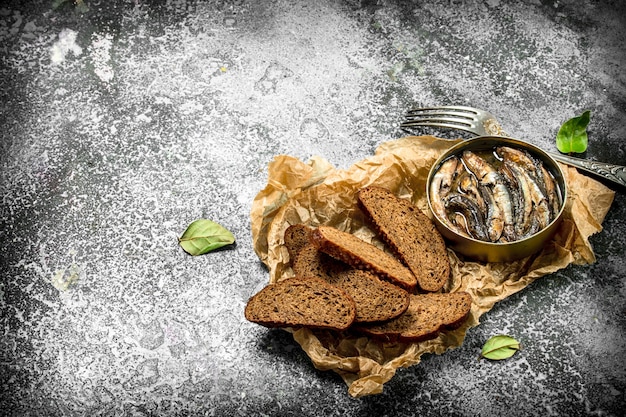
column 316, row 193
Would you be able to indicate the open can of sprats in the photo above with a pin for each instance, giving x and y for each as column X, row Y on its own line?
column 496, row 199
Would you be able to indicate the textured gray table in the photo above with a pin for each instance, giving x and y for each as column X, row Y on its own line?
column 122, row 123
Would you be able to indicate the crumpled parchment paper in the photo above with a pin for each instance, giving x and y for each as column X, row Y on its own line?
column 316, row 193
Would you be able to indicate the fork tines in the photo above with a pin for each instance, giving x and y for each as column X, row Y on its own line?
column 455, row 117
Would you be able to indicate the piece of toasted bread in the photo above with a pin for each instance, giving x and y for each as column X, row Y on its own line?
column 295, row 302
column 427, row 315
column 310, row 262
column 410, row 234
column 362, row 255
column 376, row 300
column 296, row 237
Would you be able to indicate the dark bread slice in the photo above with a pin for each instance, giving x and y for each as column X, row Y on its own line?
column 295, row 302
column 427, row 315
column 376, row 300
column 410, row 234
column 296, row 237
column 310, row 262
column 362, row 255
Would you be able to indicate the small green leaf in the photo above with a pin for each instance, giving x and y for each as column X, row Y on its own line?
column 500, row 347
column 203, row 236
column 572, row 136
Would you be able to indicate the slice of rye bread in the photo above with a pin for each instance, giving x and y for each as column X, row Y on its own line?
column 295, row 302
column 427, row 315
column 376, row 300
column 410, row 234
column 362, row 255
column 296, row 237
column 310, row 262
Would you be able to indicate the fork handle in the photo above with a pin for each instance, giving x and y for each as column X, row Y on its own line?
column 611, row 172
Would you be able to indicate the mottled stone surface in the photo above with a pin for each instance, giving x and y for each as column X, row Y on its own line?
column 123, row 121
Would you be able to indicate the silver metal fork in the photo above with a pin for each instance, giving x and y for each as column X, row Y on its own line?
column 483, row 123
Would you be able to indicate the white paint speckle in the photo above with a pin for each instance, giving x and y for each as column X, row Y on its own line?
column 100, row 53
column 64, row 46
column 143, row 118
column 190, row 107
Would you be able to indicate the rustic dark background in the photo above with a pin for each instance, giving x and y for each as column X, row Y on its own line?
column 123, row 121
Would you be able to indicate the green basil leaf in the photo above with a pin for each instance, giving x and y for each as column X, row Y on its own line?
column 500, row 347
column 203, row 236
column 572, row 136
